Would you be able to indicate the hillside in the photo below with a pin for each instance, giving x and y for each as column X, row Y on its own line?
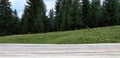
column 95, row 35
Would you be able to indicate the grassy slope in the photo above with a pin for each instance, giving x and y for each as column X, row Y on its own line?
column 96, row 35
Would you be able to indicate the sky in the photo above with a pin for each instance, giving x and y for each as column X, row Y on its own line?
column 20, row 4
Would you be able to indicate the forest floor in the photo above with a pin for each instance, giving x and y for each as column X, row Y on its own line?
column 85, row 36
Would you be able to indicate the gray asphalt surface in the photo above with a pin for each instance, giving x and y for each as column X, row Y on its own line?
column 59, row 51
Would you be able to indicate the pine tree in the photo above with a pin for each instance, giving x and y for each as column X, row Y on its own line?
column 34, row 18
column 58, row 14
column 95, row 12
column 119, row 11
column 24, row 22
column 16, row 23
column 69, row 13
column 51, row 20
column 76, row 16
column 66, row 17
column 7, row 23
column 110, row 11
column 86, row 13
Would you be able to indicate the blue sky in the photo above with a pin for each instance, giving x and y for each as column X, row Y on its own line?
column 19, row 5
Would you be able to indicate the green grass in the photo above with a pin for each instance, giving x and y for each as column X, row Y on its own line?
column 95, row 35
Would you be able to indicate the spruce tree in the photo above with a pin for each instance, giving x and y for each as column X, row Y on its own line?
column 34, row 18
column 51, row 20
column 66, row 17
column 76, row 16
column 58, row 14
column 110, row 11
column 69, row 15
column 7, row 22
column 24, row 22
column 86, row 13
column 119, row 12
column 95, row 13
column 16, row 22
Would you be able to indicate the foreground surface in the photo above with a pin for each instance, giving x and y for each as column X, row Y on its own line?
column 95, row 35
column 59, row 51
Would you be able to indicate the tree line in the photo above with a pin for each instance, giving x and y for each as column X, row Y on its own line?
column 67, row 15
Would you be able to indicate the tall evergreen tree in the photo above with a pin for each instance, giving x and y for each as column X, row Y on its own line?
column 95, row 13
column 58, row 14
column 119, row 11
column 34, row 18
column 66, row 17
column 16, row 22
column 86, row 13
column 7, row 23
column 76, row 16
column 69, row 14
column 24, row 22
column 110, row 11
column 52, row 20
